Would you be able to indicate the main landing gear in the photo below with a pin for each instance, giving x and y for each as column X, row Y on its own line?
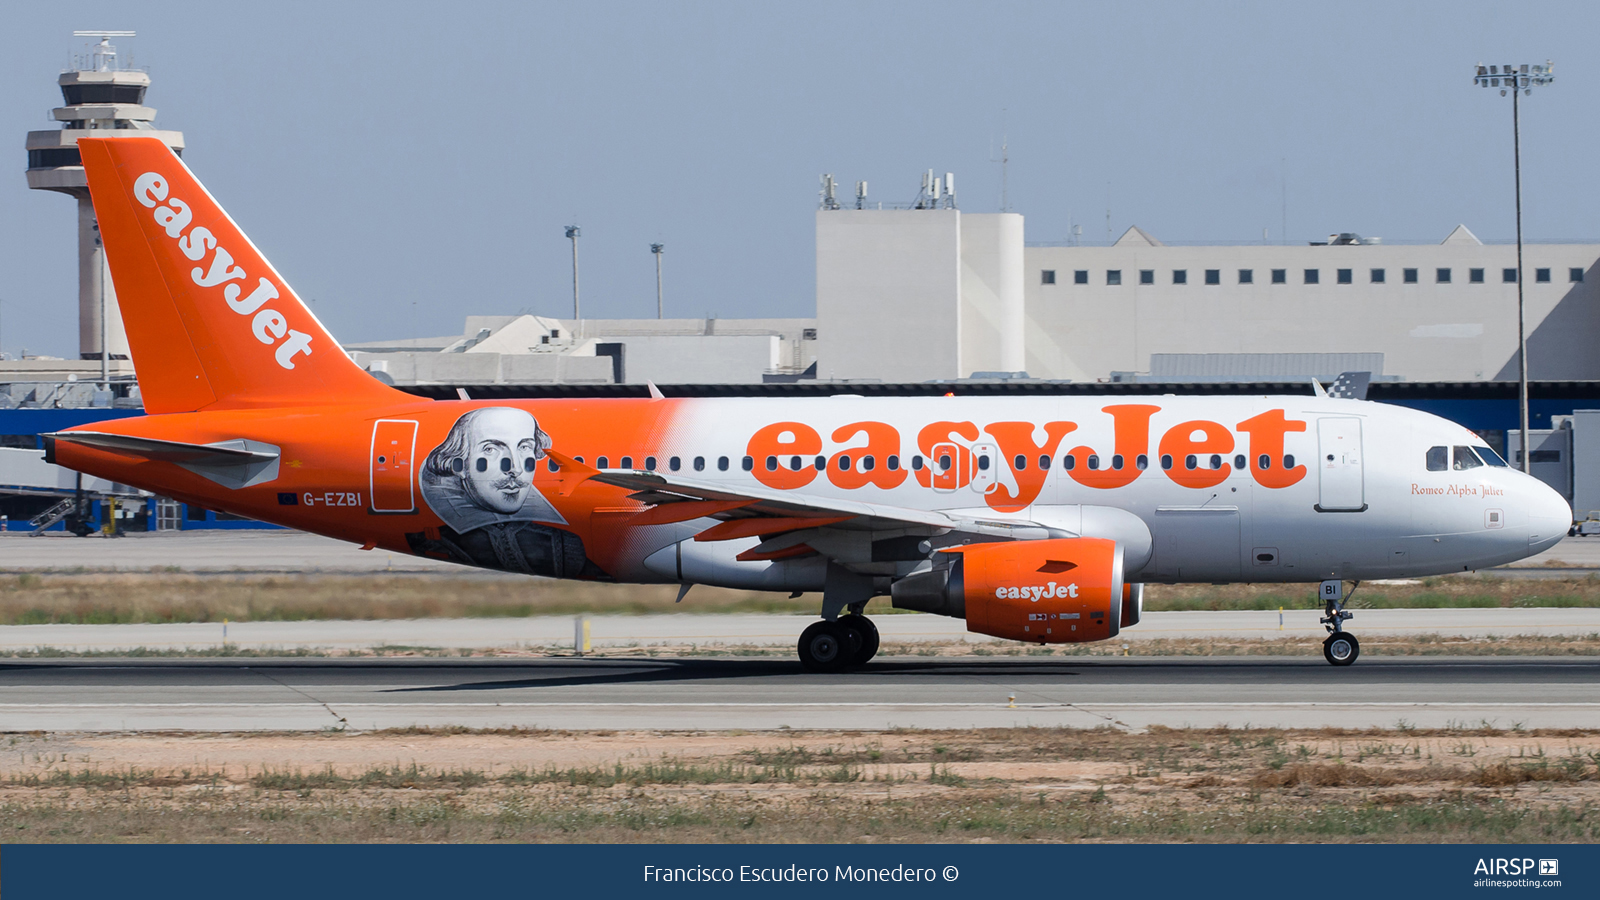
column 844, row 643
column 1341, row 648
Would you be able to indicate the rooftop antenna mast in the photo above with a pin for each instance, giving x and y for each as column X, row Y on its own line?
column 1005, row 166
column 104, row 56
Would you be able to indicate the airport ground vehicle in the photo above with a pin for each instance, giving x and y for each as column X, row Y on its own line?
column 1034, row 519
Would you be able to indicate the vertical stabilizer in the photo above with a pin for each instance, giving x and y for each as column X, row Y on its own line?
column 209, row 321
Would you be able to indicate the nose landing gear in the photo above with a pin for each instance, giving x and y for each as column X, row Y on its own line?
column 1341, row 648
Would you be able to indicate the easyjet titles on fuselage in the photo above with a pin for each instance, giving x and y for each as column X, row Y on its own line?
column 1193, row 454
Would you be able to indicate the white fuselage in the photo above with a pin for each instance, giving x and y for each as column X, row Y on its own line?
column 1342, row 489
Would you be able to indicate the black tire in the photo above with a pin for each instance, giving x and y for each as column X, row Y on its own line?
column 864, row 638
column 825, row 647
column 1341, row 648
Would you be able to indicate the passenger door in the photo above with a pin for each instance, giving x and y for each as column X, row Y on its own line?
column 947, row 463
column 1342, row 484
column 393, row 477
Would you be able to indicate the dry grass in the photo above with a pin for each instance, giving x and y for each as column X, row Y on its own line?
column 168, row 597
column 1454, row 785
column 174, row 597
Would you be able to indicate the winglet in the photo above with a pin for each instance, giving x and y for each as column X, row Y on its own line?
column 1316, row 388
column 655, row 392
column 573, row 473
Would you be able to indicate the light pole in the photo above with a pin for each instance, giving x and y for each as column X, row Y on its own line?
column 1518, row 80
column 656, row 249
column 573, row 233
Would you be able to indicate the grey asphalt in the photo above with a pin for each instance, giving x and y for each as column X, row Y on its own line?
column 764, row 694
column 689, row 630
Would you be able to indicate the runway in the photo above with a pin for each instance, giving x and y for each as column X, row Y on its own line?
column 765, row 694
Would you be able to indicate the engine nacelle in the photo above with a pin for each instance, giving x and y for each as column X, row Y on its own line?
column 1066, row 590
column 1132, row 604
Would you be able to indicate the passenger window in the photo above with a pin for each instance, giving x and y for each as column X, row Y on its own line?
column 867, row 462
column 1489, row 456
column 1239, row 461
column 844, row 463
column 650, row 463
column 699, row 463
column 602, row 463
column 627, row 463
column 1189, row 461
column 794, row 463
column 1094, row 461
column 944, row 463
column 1288, row 460
column 1044, row 462
column 916, row 463
column 1263, row 462
column 674, row 463
column 1216, row 461
column 1069, row 462
column 893, row 462
column 1141, row 462
column 1116, row 461
column 772, row 464
column 820, row 463
column 1438, row 459
column 983, row 463
column 1464, row 458
column 1166, row 460
column 1020, row 462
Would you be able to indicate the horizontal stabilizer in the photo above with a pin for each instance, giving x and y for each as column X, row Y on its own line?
column 233, row 464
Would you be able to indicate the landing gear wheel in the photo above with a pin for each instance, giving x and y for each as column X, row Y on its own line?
column 826, row 647
column 1341, row 648
column 864, row 637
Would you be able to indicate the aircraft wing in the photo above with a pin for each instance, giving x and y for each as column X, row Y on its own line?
column 749, row 510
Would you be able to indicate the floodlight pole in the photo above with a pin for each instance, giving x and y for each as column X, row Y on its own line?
column 573, row 233
column 1522, row 319
column 656, row 249
column 1518, row 82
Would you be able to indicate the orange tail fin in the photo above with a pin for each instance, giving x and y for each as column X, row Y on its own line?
column 209, row 321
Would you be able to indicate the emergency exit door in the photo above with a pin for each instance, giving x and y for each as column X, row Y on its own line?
column 393, row 484
column 1342, row 484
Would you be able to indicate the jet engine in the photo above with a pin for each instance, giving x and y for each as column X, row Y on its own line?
column 1059, row 591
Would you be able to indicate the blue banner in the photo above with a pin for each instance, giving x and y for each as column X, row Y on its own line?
column 307, row 872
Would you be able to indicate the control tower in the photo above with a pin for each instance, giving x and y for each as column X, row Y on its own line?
column 106, row 100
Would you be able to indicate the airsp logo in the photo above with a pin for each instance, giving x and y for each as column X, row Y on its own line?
column 1502, row 866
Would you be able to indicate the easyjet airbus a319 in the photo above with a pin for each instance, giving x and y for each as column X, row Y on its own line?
column 1033, row 518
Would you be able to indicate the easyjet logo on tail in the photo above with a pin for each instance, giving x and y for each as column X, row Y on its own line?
column 269, row 326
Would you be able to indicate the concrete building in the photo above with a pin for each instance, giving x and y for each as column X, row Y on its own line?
column 103, row 99
column 920, row 294
column 1435, row 312
column 540, row 350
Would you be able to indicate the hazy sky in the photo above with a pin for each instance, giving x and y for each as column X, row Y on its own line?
column 404, row 164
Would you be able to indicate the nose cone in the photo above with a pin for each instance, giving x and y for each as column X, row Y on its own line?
column 1549, row 517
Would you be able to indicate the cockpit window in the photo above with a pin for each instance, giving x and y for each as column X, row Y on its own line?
column 1464, row 458
column 1488, row 455
column 1438, row 459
